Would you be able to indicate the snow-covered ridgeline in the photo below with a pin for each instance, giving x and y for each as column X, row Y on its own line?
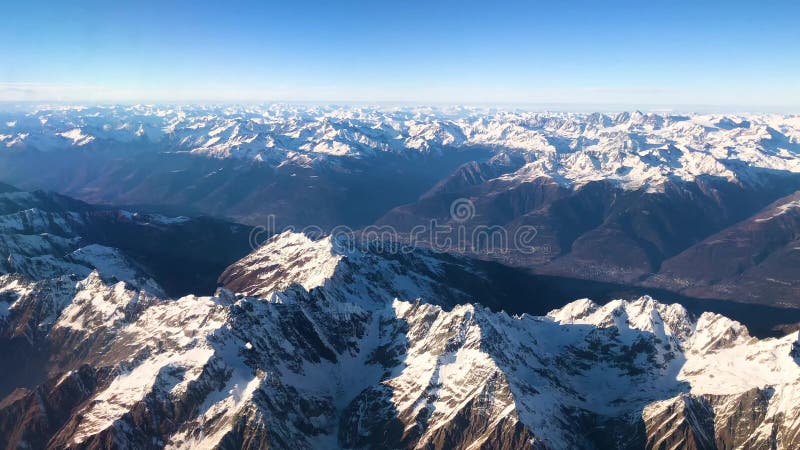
column 323, row 354
column 637, row 150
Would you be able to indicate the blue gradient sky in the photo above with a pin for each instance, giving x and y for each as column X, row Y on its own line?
column 638, row 54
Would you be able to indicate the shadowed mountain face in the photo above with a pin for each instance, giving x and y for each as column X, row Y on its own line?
column 328, row 345
column 601, row 232
column 183, row 255
column 350, row 192
column 755, row 259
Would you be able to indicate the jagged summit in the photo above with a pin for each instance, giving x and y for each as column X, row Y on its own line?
column 349, row 270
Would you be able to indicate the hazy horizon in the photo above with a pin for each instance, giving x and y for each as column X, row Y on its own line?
column 724, row 56
column 577, row 108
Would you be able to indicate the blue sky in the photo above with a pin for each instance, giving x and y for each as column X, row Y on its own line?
column 730, row 54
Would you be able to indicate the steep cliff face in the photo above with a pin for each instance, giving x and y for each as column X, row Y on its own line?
column 345, row 348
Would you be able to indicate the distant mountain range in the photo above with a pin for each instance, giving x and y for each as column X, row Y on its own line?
column 635, row 150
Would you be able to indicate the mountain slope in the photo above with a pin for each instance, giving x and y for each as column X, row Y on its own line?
column 753, row 259
column 597, row 231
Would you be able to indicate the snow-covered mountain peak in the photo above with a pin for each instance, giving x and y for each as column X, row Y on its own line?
column 97, row 304
column 642, row 314
column 346, row 269
column 289, row 258
column 714, row 331
column 574, row 311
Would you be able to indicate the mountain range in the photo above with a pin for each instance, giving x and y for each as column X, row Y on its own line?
column 228, row 277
